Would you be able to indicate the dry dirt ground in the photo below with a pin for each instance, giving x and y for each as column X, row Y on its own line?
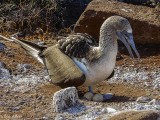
column 33, row 100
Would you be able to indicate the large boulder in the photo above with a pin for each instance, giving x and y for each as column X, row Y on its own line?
column 145, row 21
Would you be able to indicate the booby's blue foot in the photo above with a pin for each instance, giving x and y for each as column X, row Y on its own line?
column 107, row 96
column 97, row 97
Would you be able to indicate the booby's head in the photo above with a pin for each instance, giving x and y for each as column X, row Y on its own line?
column 124, row 33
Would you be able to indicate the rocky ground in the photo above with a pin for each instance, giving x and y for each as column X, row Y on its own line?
column 26, row 92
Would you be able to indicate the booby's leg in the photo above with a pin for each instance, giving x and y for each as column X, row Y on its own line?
column 89, row 94
column 90, row 89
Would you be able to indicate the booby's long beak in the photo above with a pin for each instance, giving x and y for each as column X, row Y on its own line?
column 127, row 39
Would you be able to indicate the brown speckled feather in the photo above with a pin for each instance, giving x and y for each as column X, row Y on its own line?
column 78, row 45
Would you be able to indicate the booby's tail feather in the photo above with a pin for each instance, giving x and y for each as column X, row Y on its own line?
column 31, row 48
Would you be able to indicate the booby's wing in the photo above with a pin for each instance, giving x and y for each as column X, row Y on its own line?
column 61, row 60
column 58, row 59
column 62, row 70
column 77, row 45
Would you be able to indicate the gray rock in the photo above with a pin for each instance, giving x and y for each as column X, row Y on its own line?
column 139, row 107
column 154, row 102
column 60, row 117
column 111, row 110
column 4, row 73
column 147, row 107
column 143, row 99
column 65, row 98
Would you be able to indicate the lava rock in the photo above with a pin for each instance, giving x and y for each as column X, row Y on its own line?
column 65, row 98
column 97, row 12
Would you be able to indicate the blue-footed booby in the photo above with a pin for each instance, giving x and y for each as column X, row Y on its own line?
column 76, row 60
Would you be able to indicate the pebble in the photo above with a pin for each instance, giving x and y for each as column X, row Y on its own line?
column 111, row 110
column 143, row 99
column 2, row 47
column 157, row 107
column 88, row 96
column 23, row 67
column 41, row 43
column 64, row 99
column 154, row 102
column 60, row 117
column 156, row 86
column 2, row 65
column 147, row 84
column 4, row 73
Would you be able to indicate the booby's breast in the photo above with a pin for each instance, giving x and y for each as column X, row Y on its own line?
column 102, row 70
column 98, row 70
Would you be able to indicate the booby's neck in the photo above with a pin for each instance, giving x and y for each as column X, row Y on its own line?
column 102, row 67
column 107, row 38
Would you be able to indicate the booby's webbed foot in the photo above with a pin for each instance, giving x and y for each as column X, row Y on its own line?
column 107, row 96
column 97, row 97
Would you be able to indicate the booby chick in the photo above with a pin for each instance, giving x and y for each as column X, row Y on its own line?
column 96, row 62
